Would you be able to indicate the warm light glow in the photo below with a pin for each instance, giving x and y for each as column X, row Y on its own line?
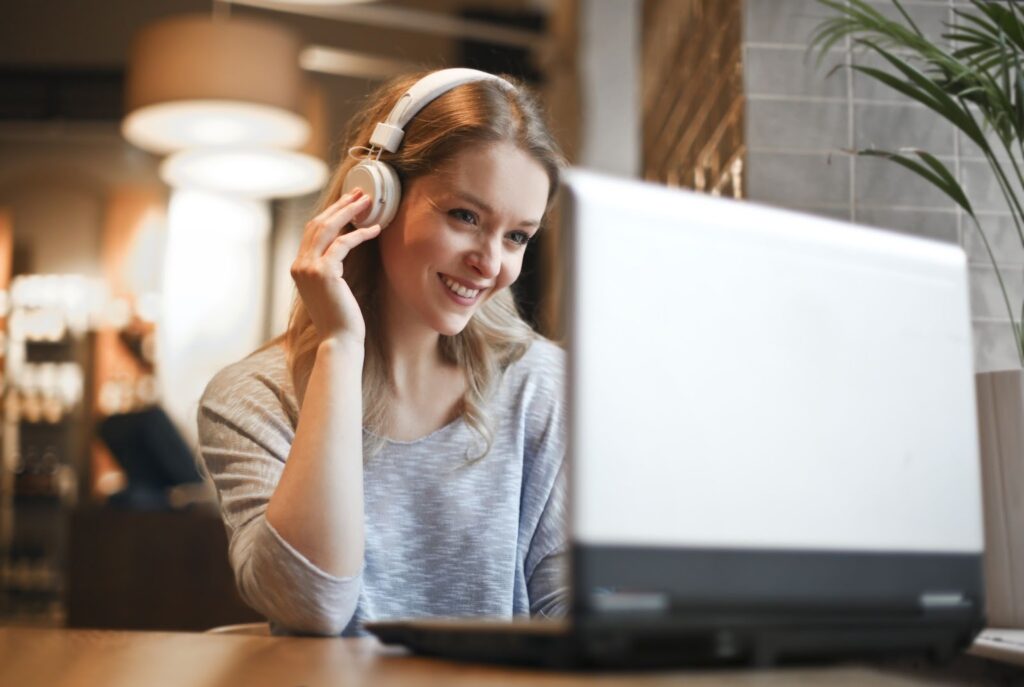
column 319, row 3
column 174, row 126
column 318, row 58
column 44, row 305
column 142, row 263
column 245, row 172
column 213, row 294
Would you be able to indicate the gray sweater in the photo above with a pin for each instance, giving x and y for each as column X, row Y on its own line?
column 445, row 535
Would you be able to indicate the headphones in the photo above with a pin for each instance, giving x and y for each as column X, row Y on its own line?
column 378, row 179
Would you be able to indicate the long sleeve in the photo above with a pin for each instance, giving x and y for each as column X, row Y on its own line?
column 547, row 583
column 546, row 561
column 446, row 534
column 246, row 426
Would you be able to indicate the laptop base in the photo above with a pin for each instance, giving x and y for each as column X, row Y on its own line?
column 558, row 645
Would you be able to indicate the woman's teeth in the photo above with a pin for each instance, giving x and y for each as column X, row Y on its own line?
column 459, row 288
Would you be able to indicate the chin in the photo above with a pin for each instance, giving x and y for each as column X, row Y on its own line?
column 450, row 326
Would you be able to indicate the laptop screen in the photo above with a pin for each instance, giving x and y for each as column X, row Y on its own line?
column 743, row 376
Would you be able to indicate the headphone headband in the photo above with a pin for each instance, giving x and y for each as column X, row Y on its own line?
column 377, row 178
column 388, row 134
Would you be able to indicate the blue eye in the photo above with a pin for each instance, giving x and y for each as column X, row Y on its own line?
column 462, row 215
column 520, row 238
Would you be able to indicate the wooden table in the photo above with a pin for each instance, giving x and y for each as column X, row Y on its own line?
column 83, row 658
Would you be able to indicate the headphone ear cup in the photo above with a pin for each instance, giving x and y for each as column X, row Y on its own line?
column 392, row 194
column 379, row 181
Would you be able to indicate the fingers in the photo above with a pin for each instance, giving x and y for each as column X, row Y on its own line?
column 333, row 207
column 336, row 222
column 343, row 245
column 324, row 228
column 348, row 213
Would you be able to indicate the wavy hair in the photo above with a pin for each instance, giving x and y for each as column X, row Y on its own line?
column 470, row 114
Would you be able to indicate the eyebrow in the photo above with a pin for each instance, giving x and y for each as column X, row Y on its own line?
column 469, row 197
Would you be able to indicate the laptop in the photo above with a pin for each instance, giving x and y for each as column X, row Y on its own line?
column 772, row 442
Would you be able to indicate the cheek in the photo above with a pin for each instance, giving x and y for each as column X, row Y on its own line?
column 510, row 269
column 405, row 243
column 393, row 237
column 443, row 245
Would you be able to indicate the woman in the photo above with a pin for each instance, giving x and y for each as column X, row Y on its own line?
column 398, row 452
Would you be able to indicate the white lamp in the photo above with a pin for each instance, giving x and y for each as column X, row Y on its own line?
column 245, row 172
column 256, row 172
column 197, row 81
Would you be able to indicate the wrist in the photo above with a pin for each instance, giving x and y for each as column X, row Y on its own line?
column 340, row 344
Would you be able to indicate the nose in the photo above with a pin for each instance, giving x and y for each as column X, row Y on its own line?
column 486, row 258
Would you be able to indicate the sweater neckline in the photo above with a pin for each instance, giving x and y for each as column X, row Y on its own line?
column 425, row 437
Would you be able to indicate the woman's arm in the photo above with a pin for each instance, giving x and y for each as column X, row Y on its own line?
column 547, row 580
column 545, row 497
column 246, row 430
column 317, row 506
column 549, row 587
column 293, row 501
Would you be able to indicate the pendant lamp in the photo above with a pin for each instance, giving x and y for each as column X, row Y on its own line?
column 198, row 81
column 245, row 172
column 256, row 172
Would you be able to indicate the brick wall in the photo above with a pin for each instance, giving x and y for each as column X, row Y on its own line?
column 799, row 120
column 733, row 103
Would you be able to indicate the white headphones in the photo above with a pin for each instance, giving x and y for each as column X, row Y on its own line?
column 377, row 179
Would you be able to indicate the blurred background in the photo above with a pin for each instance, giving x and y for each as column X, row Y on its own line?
column 136, row 262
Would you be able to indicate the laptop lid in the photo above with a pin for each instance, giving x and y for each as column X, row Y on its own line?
column 766, row 407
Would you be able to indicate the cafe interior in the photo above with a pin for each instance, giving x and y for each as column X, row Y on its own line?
column 135, row 263
column 127, row 284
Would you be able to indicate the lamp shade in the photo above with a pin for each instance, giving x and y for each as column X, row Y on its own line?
column 197, row 81
column 256, row 173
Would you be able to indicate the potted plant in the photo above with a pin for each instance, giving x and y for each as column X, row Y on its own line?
column 974, row 80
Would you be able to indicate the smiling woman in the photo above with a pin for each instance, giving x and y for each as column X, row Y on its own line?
column 463, row 228
column 398, row 452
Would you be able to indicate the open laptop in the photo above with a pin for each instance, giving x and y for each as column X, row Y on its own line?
column 773, row 445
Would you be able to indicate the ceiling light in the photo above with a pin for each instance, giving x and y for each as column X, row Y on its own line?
column 198, row 81
column 245, row 172
column 317, row 58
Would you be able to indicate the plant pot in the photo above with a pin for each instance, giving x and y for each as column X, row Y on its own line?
column 1001, row 435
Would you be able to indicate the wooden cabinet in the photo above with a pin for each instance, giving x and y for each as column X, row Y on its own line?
column 158, row 570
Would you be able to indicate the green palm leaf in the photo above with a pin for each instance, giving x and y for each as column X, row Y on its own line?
column 976, row 84
column 933, row 171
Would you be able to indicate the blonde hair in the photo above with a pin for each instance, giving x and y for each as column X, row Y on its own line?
column 471, row 114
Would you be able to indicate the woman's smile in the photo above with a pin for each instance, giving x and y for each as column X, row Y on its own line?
column 457, row 291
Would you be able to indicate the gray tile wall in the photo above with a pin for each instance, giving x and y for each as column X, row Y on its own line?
column 801, row 118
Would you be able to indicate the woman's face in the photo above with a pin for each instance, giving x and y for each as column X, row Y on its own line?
column 460, row 234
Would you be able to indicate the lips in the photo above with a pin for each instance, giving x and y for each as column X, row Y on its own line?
column 456, row 287
column 459, row 291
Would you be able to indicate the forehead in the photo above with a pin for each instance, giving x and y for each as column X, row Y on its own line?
column 505, row 177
